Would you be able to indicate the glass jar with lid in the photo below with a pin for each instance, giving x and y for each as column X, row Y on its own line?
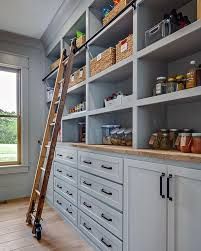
column 114, row 136
column 128, row 137
column 185, row 142
column 181, row 82
column 106, row 132
column 173, row 134
column 120, row 136
column 178, row 141
column 154, row 141
column 171, row 85
column 161, row 85
column 196, row 143
column 164, row 141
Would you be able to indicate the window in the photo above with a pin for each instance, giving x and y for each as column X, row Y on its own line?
column 10, row 117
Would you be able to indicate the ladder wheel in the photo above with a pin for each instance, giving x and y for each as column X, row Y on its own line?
column 38, row 234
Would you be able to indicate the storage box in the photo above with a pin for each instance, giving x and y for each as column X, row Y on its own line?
column 80, row 41
column 124, row 48
column 114, row 102
column 103, row 61
column 49, row 95
column 54, row 65
column 78, row 76
column 115, row 11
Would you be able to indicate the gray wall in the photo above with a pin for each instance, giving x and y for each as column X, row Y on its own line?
column 19, row 184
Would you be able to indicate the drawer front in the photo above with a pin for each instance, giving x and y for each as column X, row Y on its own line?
column 67, row 191
column 104, row 190
column 104, row 166
column 67, row 208
column 100, row 236
column 103, row 214
column 66, row 173
column 67, row 156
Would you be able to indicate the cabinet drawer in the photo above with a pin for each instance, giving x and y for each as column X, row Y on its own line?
column 67, row 191
column 100, row 236
column 68, row 156
column 104, row 166
column 67, row 208
column 66, row 173
column 103, row 214
column 104, row 190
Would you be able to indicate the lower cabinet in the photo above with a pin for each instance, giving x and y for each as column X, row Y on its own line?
column 162, row 207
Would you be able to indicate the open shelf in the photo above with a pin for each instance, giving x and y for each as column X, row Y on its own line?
column 74, row 115
column 78, row 89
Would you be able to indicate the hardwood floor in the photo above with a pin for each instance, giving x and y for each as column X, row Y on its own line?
column 16, row 235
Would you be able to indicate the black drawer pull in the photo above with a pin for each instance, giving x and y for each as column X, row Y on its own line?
column 70, row 212
column 68, row 175
column 58, row 202
column 70, row 194
column 108, row 245
column 88, row 184
column 168, row 187
column 86, row 205
column 60, row 187
column 103, row 191
column 87, row 162
column 69, row 157
column 104, row 217
column 106, row 167
column 60, row 155
column 85, row 225
column 161, row 185
column 59, row 171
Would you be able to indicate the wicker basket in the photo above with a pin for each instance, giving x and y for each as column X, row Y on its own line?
column 78, row 76
column 115, row 11
column 124, row 48
column 103, row 61
column 80, row 41
column 54, row 65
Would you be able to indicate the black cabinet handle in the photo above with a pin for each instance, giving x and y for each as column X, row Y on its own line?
column 60, row 155
column 69, row 157
column 87, row 162
column 70, row 212
column 106, row 167
column 161, row 185
column 58, row 202
column 108, row 245
column 104, row 217
column 60, row 187
column 85, row 225
column 68, row 175
column 59, row 171
column 103, row 191
column 88, row 184
column 70, row 194
column 168, row 187
column 86, row 205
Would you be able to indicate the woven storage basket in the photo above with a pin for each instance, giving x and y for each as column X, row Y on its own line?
column 80, row 41
column 124, row 48
column 115, row 11
column 78, row 76
column 103, row 61
column 54, row 65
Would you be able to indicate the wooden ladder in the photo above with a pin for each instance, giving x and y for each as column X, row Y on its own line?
column 53, row 124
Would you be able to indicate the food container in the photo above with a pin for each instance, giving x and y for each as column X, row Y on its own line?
column 115, row 11
column 181, row 83
column 191, row 76
column 178, row 141
column 173, row 134
column 157, row 32
column 124, row 48
column 82, row 131
column 128, row 137
column 154, row 141
column 114, row 136
column 120, row 136
column 106, row 133
column 196, row 143
column 113, row 102
column 171, row 85
column 103, row 61
column 185, row 142
column 164, row 141
column 49, row 95
column 161, row 86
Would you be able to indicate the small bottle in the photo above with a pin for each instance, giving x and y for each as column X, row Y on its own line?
column 191, row 76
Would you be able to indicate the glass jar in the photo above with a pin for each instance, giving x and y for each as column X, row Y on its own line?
column 161, row 85
column 128, row 137
column 191, row 76
column 185, row 142
column 178, row 141
column 187, row 130
column 164, row 141
column 154, row 141
column 171, row 85
column 114, row 137
column 173, row 134
column 181, row 83
column 106, row 132
column 196, row 143
column 120, row 137
column 82, row 131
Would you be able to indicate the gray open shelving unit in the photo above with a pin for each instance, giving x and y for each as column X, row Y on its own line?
column 135, row 75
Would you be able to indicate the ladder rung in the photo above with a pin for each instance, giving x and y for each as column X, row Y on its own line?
column 43, row 169
column 57, row 102
column 38, row 192
column 61, row 81
column 52, row 124
column 65, row 61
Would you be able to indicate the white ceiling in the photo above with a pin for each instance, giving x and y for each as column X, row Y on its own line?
column 27, row 17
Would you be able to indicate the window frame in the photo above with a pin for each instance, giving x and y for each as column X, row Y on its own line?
column 17, row 116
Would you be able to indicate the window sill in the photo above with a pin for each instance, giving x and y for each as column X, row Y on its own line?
column 12, row 169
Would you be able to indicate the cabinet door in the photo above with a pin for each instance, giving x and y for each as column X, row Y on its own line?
column 184, row 210
column 145, row 211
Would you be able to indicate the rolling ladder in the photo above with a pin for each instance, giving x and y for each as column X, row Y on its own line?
column 53, row 125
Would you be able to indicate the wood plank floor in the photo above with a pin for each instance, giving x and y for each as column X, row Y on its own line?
column 16, row 235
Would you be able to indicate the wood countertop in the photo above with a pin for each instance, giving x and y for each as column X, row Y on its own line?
column 165, row 155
